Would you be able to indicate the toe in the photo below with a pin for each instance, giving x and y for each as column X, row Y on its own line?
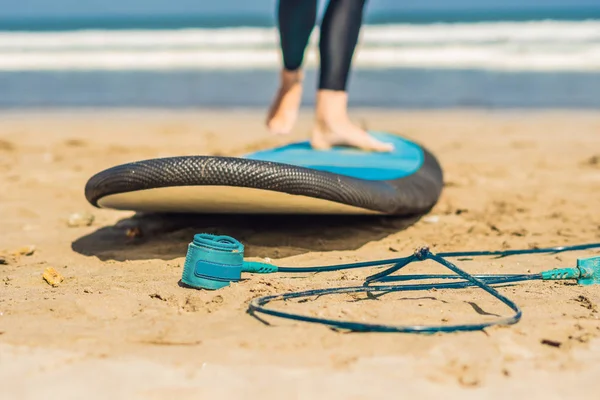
column 369, row 143
column 383, row 147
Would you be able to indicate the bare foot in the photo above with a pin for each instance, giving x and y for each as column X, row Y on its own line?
column 284, row 109
column 334, row 128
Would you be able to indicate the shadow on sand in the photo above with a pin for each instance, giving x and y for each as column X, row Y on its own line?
column 166, row 236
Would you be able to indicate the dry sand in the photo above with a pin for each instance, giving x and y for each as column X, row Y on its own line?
column 119, row 324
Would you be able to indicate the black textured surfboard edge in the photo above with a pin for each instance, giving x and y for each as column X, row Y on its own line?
column 413, row 194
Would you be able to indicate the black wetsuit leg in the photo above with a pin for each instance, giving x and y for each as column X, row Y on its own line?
column 340, row 30
column 296, row 20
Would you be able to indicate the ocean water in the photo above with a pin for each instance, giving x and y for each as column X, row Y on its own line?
column 523, row 59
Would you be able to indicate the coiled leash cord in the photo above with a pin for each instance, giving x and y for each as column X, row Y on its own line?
column 213, row 262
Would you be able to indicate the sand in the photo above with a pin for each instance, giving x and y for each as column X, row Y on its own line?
column 119, row 325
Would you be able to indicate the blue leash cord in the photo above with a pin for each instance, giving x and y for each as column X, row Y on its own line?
column 205, row 267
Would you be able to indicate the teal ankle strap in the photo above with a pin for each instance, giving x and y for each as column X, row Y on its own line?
column 213, row 262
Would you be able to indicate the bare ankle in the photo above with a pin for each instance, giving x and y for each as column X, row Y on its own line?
column 331, row 106
column 290, row 77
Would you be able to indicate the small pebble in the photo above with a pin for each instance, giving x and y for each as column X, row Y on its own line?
column 24, row 251
column 52, row 277
column 134, row 232
column 433, row 219
column 80, row 219
column 550, row 342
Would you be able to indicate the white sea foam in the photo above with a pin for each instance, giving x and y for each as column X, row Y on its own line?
column 526, row 46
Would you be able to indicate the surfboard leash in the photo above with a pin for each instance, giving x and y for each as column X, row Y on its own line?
column 213, row 262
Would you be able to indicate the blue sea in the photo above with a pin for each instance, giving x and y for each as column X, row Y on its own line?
column 525, row 58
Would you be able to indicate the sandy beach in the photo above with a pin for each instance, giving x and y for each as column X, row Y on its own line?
column 119, row 325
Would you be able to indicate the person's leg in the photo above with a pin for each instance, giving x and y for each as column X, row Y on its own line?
column 296, row 20
column 340, row 30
